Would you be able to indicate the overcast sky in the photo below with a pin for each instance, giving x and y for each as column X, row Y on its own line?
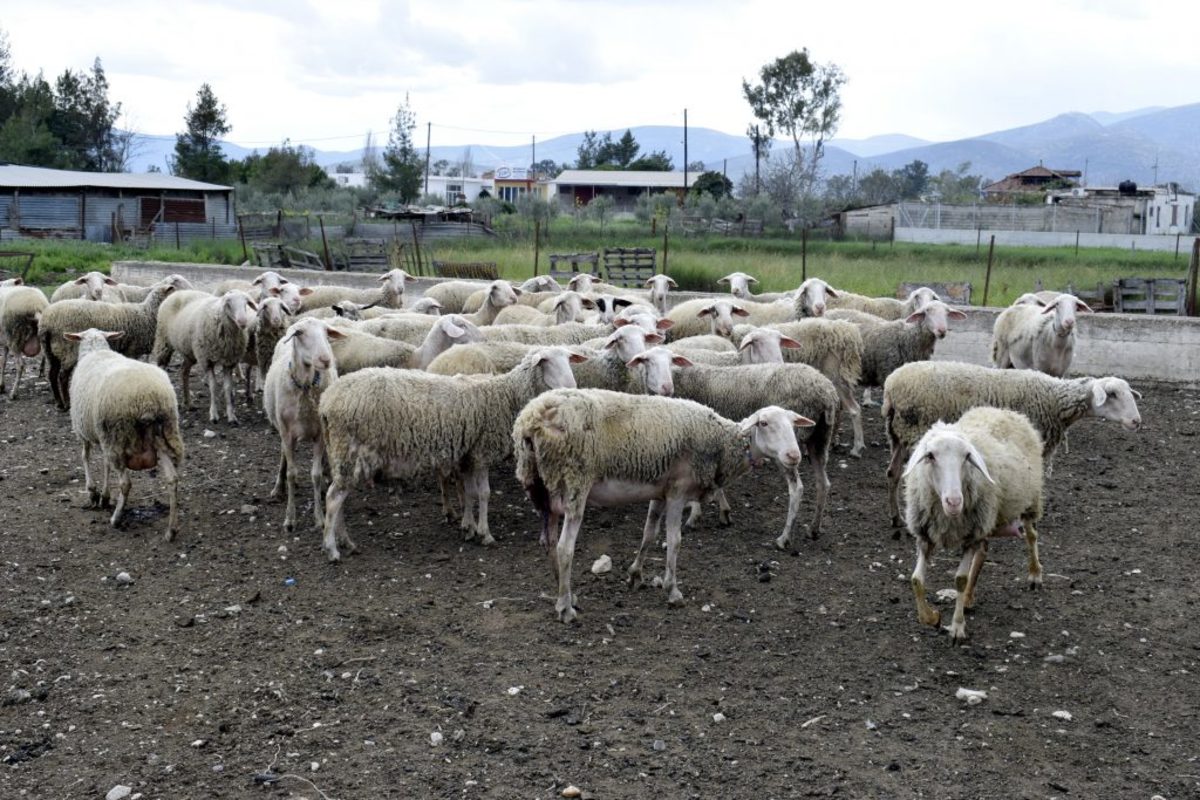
column 492, row 71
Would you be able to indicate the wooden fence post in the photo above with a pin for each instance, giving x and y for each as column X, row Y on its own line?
column 325, row 244
column 987, row 278
column 804, row 252
column 1193, row 277
column 537, row 230
column 666, row 244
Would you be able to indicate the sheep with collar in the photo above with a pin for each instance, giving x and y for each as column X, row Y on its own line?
column 965, row 482
column 400, row 423
column 580, row 447
column 924, row 392
column 127, row 409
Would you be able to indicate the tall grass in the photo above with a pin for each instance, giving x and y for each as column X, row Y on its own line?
column 697, row 262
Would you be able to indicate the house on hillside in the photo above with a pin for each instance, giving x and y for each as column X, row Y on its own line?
column 105, row 206
column 578, row 187
column 513, row 183
column 1035, row 180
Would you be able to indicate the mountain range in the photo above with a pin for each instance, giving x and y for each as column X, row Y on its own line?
column 1147, row 145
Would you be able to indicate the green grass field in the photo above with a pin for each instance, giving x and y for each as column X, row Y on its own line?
column 697, row 262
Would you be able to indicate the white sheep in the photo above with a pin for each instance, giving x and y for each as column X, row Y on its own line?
column 213, row 333
column 258, row 289
column 89, row 286
column 963, row 483
column 564, row 307
column 1028, row 336
column 136, row 320
column 587, row 283
column 568, row 333
column 499, row 294
column 811, row 298
column 356, row 350
column 453, row 294
column 426, row 305
column 888, row 345
column 835, row 347
column 541, row 283
column 884, row 307
column 402, row 422
column 304, row 369
column 660, row 286
column 583, row 447
column 270, row 323
column 131, row 293
column 21, row 309
column 735, row 392
column 390, row 294
column 924, row 392
column 128, row 410
column 709, row 315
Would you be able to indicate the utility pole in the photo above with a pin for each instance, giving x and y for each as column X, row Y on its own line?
column 428, row 134
column 685, row 153
column 533, row 157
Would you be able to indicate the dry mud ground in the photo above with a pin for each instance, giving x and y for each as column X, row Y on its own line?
column 207, row 670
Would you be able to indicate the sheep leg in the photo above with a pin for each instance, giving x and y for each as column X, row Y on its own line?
column 867, row 402
column 105, row 495
column 185, row 381
column 821, row 489
column 483, row 491
column 88, row 482
column 795, row 493
column 962, row 582
column 20, row 359
column 469, row 490
column 694, row 510
column 447, row 489
column 976, row 568
column 210, row 375
column 335, row 520
column 55, row 389
column 171, row 475
column 4, row 369
column 649, row 533
column 248, row 376
column 124, row 484
column 927, row 614
column 1035, row 565
column 894, row 471
column 855, row 412
column 228, row 393
column 551, row 525
column 287, row 473
column 674, row 535
column 722, row 509
column 317, row 473
column 277, row 491
column 565, row 550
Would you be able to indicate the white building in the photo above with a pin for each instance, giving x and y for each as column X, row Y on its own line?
column 458, row 190
column 1128, row 208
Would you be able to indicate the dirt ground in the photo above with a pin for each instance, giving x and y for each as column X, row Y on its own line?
column 239, row 663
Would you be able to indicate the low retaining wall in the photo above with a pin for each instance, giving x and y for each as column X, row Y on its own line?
column 1181, row 244
column 1132, row 346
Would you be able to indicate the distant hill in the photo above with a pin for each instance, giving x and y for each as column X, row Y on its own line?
column 1108, row 147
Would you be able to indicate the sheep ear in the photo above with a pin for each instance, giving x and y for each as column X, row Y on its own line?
column 665, row 324
column 801, row 421
column 112, row 336
column 384, row 276
column 1050, row 309
column 640, row 358
column 915, row 317
column 752, row 279
column 451, row 329
column 588, row 303
column 306, row 291
column 738, row 311
column 577, row 358
column 1098, row 394
column 257, row 281
column 80, row 281
column 168, row 289
column 274, row 291
column 747, row 340
column 1082, row 306
column 407, row 278
column 649, row 282
column 1136, row 393
column 621, row 302
column 954, row 313
column 338, row 310
column 372, row 305
column 829, row 290
column 671, row 282
column 18, row 281
column 109, row 281
column 706, row 312
column 917, row 456
column 518, row 292
column 681, row 361
column 973, row 457
column 724, row 280
column 655, row 338
column 253, row 306
column 73, row 337
column 789, row 342
column 334, row 333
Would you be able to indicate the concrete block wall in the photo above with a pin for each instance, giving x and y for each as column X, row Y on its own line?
column 1132, row 346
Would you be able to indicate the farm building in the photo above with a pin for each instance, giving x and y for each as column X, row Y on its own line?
column 577, row 187
column 1154, row 210
column 1031, row 181
column 107, row 206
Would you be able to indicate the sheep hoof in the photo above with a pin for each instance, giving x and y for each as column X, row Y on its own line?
column 568, row 615
column 487, row 539
column 169, row 536
column 334, row 556
column 675, row 599
column 724, row 520
column 934, row 617
column 635, row 580
column 814, row 534
column 289, row 526
column 856, row 452
column 958, row 634
column 1035, row 583
column 782, row 543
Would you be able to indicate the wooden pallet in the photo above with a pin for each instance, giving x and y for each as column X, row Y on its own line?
column 1149, row 295
column 629, row 266
column 568, row 265
column 956, row 293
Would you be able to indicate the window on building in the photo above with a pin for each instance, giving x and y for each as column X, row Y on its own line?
column 454, row 193
column 509, row 194
column 1174, row 214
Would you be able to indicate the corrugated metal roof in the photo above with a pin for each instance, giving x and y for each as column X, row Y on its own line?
column 628, row 178
column 18, row 177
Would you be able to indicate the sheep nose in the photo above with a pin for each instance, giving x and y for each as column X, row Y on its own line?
column 792, row 458
column 1134, row 423
column 952, row 505
column 666, row 389
column 819, row 309
column 941, row 333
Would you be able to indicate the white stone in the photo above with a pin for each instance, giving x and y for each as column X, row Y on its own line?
column 435, row 738
column 209, row 434
column 124, row 577
column 718, row 717
column 1016, row 635
column 973, row 697
column 314, row 766
column 1065, row 716
column 118, row 792
column 602, row 565
column 572, row 791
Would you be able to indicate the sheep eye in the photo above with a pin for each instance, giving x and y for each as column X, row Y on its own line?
column 762, row 423
column 930, row 456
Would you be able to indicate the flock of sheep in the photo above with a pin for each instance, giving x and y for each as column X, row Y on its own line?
column 603, row 396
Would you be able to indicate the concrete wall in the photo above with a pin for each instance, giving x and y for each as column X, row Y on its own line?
column 1132, row 346
column 1047, row 239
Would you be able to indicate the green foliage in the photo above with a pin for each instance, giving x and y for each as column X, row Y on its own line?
column 663, row 206
column 546, row 168
column 601, row 152
column 403, row 167
column 283, row 170
column 198, row 153
column 658, row 161
column 713, row 183
column 68, row 126
column 801, row 98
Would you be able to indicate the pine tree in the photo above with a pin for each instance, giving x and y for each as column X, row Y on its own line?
column 402, row 167
column 198, row 152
